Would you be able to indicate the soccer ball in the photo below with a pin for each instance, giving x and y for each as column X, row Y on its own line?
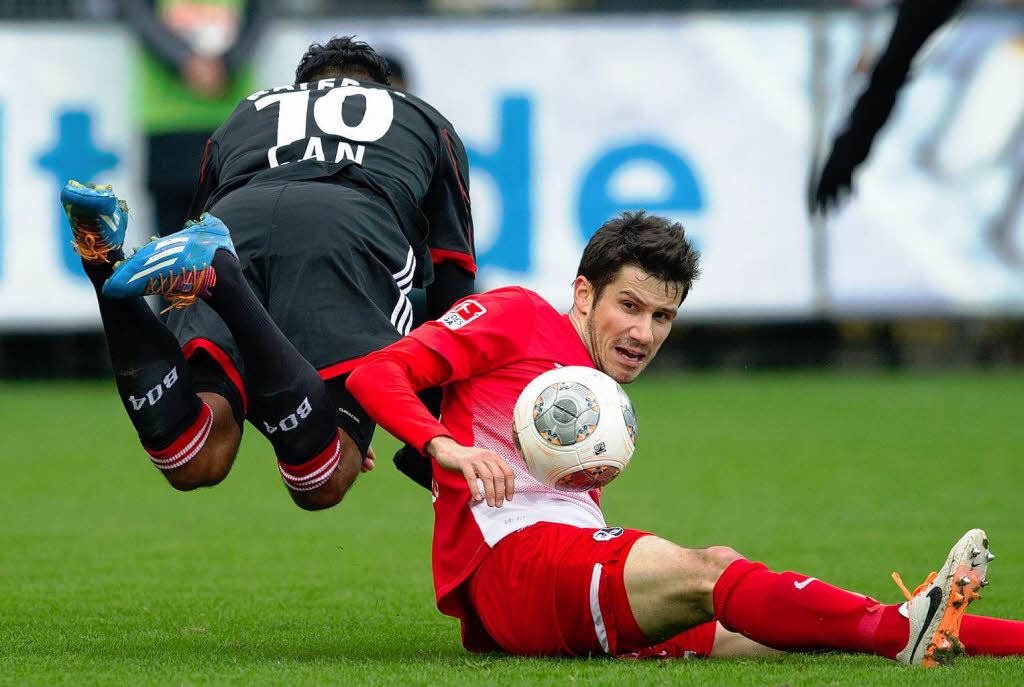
column 575, row 428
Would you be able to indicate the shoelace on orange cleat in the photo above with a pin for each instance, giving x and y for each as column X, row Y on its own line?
column 191, row 282
column 921, row 587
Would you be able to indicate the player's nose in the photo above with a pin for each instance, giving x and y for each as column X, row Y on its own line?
column 642, row 332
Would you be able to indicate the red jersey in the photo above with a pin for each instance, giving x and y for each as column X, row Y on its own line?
column 494, row 343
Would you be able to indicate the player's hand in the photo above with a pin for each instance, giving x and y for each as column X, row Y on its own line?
column 487, row 474
column 368, row 461
column 834, row 184
column 205, row 75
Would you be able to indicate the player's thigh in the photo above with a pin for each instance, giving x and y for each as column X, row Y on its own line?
column 557, row 590
column 339, row 271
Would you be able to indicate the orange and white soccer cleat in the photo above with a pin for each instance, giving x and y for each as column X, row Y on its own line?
column 937, row 606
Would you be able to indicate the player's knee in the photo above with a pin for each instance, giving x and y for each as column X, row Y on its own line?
column 718, row 558
column 696, row 571
column 209, row 468
column 212, row 462
column 333, row 490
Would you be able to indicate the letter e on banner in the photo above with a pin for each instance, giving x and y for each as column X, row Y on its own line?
column 462, row 314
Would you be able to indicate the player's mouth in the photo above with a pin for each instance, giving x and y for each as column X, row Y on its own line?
column 630, row 357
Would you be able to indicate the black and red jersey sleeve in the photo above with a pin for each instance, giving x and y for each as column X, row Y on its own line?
column 482, row 333
column 446, row 205
column 208, row 179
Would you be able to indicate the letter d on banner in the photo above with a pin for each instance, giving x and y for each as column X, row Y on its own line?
column 509, row 164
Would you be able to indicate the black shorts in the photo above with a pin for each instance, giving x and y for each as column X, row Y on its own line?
column 334, row 270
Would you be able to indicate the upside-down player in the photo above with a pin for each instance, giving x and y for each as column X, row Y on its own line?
column 340, row 194
column 541, row 574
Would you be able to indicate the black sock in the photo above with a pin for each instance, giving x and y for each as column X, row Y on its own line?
column 288, row 402
column 152, row 376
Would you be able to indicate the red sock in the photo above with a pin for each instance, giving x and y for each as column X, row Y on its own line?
column 187, row 445
column 981, row 636
column 992, row 636
column 793, row 612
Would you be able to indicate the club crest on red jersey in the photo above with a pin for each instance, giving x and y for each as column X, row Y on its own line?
column 608, row 533
column 462, row 314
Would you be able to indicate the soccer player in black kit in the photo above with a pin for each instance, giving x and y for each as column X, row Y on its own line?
column 321, row 204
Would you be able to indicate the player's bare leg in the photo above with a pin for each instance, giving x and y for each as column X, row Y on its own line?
column 671, row 589
column 351, row 463
column 214, row 460
column 734, row 645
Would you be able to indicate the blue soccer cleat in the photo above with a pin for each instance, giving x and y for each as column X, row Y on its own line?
column 97, row 217
column 178, row 266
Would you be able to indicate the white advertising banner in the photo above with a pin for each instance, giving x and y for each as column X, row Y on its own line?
column 66, row 112
column 706, row 118
column 569, row 121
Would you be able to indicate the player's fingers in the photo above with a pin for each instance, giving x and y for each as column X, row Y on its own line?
column 494, row 465
column 510, row 480
column 504, row 478
column 474, row 487
column 368, row 464
column 483, row 473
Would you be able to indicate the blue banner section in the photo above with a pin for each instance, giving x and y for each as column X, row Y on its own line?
column 596, row 203
column 510, row 166
column 73, row 156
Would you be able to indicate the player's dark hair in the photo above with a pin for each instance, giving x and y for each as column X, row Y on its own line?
column 342, row 56
column 656, row 245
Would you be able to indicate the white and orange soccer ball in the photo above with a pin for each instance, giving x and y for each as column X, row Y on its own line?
column 575, row 428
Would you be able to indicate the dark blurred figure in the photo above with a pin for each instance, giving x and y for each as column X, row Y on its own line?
column 916, row 21
column 399, row 75
column 192, row 74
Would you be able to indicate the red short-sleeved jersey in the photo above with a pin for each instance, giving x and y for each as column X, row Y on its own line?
column 496, row 343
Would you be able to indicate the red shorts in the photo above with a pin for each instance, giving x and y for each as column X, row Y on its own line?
column 558, row 590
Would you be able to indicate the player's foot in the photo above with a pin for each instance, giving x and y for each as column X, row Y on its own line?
column 936, row 607
column 178, row 266
column 98, row 220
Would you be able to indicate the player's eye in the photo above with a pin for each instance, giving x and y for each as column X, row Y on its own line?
column 629, row 305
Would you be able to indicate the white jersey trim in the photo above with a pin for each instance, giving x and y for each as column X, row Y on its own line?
column 529, row 508
column 595, row 609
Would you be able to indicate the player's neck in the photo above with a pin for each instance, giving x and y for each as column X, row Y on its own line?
column 579, row 323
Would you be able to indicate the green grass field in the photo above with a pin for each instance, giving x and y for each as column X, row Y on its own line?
column 107, row 576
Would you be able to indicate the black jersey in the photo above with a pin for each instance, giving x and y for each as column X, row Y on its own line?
column 360, row 134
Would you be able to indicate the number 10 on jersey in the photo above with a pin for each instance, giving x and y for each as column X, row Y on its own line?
column 293, row 115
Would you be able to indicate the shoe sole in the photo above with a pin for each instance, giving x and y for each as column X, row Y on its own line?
column 960, row 581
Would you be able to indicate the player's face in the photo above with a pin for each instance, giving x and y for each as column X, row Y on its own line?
column 627, row 324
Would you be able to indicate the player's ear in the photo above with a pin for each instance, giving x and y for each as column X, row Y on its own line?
column 582, row 295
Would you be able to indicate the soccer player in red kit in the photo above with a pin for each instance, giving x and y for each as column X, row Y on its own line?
column 535, row 571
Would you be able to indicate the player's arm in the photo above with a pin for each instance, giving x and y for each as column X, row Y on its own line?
column 385, row 385
column 446, row 206
column 256, row 14
column 916, row 21
column 160, row 40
